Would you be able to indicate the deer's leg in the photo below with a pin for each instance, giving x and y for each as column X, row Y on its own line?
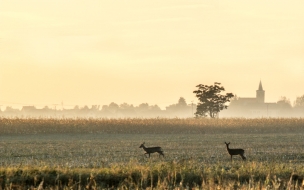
column 244, row 158
column 161, row 153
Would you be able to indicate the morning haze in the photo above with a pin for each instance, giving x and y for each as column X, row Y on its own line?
column 98, row 52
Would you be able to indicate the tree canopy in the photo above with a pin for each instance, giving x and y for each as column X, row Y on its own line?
column 299, row 102
column 284, row 103
column 211, row 101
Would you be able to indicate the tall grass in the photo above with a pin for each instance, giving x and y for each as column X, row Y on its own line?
column 187, row 174
column 150, row 126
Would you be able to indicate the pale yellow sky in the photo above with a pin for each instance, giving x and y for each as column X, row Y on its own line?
column 102, row 51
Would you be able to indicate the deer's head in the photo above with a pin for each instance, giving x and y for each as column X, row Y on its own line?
column 142, row 145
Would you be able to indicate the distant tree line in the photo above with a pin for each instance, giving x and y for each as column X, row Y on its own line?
column 210, row 103
column 181, row 110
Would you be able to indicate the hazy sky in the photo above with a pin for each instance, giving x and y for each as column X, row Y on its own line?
column 154, row 51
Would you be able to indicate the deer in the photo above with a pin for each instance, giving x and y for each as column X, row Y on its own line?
column 151, row 150
column 235, row 152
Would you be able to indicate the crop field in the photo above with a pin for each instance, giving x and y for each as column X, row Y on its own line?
column 105, row 154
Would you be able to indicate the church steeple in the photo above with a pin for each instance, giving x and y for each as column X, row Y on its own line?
column 260, row 86
column 260, row 94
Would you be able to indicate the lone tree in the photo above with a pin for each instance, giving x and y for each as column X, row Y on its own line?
column 299, row 102
column 211, row 102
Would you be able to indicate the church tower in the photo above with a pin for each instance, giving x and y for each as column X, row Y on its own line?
column 260, row 94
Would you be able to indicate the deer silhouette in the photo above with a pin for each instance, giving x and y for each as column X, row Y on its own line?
column 150, row 150
column 235, row 152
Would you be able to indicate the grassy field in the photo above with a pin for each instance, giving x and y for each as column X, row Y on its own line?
column 105, row 154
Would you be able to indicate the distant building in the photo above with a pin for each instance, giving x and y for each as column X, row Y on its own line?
column 28, row 109
column 251, row 107
column 259, row 99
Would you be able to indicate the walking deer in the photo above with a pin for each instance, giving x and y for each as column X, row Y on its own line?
column 151, row 150
column 235, row 152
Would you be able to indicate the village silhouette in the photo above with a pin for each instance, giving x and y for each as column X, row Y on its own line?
column 252, row 107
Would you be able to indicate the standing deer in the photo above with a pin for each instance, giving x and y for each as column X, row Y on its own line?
column 235, row 152
column 152, row 150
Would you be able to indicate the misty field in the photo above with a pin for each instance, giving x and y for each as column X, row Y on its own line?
column 105, row 153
